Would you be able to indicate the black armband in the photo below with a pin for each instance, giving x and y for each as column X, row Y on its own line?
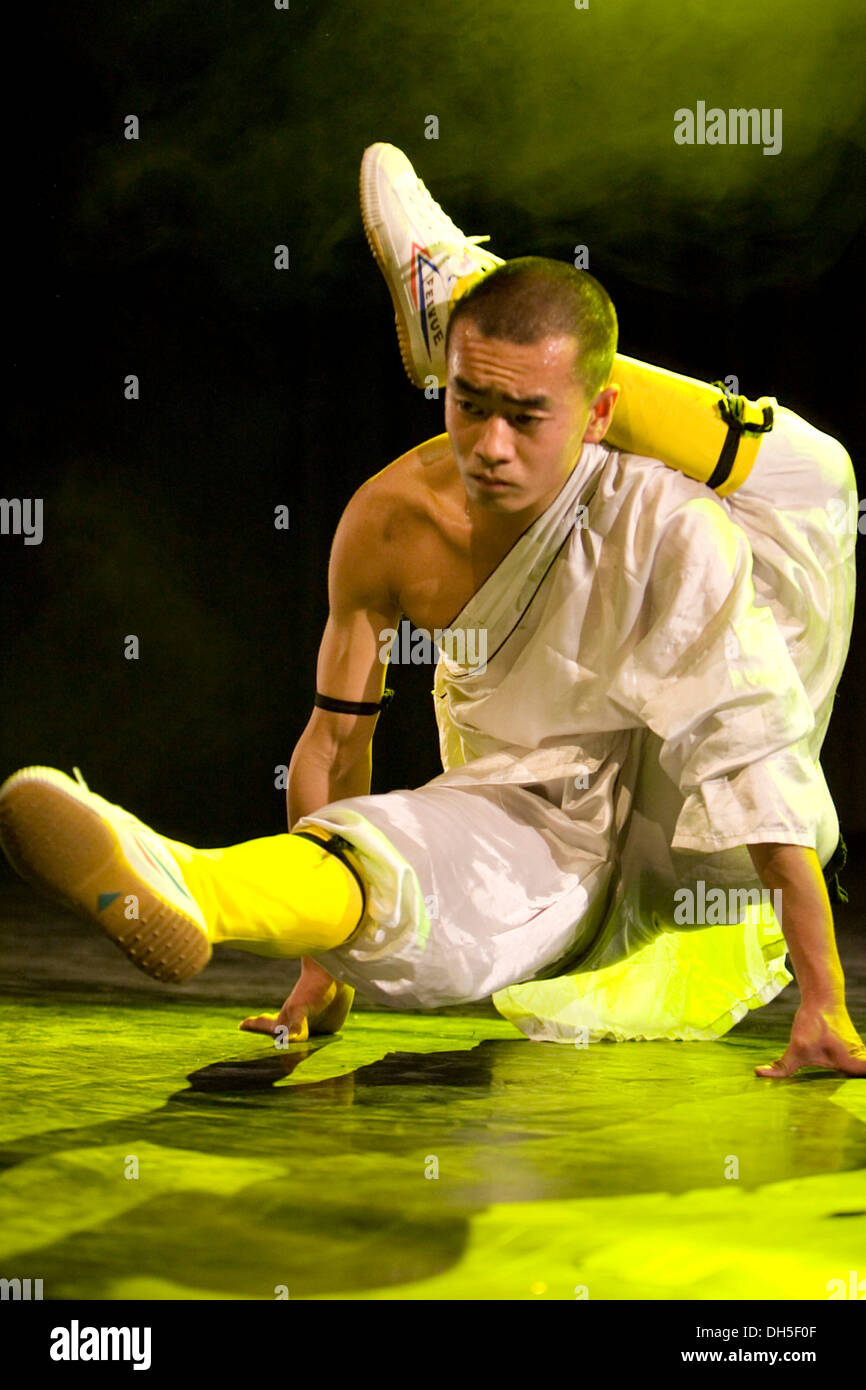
column 353, row 706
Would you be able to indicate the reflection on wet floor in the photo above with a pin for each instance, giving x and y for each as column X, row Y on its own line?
column 150, row 1150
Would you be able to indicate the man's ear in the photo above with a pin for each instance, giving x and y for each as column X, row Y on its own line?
column 601, row 414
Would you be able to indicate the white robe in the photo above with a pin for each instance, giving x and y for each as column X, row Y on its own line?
column 661, row 665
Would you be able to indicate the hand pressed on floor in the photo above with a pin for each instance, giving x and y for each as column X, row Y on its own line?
column 821, row 1036
column 317, row 1004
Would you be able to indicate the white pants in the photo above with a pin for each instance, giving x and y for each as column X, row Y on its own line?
column 475, row 889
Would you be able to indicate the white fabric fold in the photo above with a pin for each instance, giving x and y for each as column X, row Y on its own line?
column 660, row 670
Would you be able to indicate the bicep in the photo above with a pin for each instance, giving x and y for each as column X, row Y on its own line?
column 349, row 666
column 362, row 615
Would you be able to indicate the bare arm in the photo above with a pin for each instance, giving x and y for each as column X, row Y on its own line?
column 333, row 757
column 807, row 918
column 823, row 1034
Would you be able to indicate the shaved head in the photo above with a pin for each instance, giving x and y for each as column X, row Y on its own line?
column 532, row 298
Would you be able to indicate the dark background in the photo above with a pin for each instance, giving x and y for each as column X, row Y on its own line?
column 262, row 387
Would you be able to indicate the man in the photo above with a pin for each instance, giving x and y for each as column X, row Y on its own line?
column 617, row 602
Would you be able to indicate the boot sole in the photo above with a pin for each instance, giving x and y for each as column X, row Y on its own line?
column 371, row 214
column 64, row 848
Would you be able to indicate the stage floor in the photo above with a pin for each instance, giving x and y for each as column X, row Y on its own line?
column 152, row 1151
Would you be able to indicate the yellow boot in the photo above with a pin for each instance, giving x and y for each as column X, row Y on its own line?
column 164, row 903
column 695, row 428
column 283, row 895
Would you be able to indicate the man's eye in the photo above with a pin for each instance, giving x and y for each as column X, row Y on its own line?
column 468, row 407
column 527, row 419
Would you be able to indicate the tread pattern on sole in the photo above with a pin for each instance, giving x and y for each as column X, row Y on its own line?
column 63, row 847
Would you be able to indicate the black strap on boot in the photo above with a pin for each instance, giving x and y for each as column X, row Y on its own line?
column 733, row 411
column 336, row 845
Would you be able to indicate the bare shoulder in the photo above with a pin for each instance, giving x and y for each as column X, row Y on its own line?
column 383, row 512
column 414, row 486
column 423, row 470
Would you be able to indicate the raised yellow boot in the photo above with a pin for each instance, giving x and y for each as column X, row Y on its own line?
column 691, row 426
column 429, row 264
column 164, row 903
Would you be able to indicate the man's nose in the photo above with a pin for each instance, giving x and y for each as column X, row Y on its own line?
column 495, row 442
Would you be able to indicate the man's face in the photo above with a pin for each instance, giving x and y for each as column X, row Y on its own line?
column 517, row 417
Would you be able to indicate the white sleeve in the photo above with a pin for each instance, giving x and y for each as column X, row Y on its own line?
column 710, row 674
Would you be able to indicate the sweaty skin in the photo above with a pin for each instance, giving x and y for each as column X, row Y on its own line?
column 418, row 540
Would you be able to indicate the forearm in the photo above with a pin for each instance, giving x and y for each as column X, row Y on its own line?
column 316, row 779
column 806, row 918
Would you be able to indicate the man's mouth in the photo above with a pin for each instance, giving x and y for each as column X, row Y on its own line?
column 494, row 484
